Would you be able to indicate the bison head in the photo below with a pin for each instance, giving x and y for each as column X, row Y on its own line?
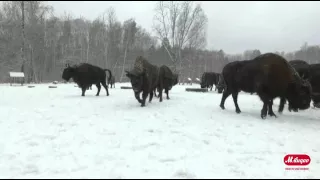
column 136, row 80
column 68, row 72
column 202, row 84
column 299, row 95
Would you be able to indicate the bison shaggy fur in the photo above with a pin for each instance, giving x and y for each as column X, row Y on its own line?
column 208, row 79
column 167, row 79
column 270, row 76
column 143, row 78
column 85, row 75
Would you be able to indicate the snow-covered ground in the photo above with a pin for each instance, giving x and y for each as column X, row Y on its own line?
column 56, row 133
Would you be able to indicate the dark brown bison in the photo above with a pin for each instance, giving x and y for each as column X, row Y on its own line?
column 270, row 76
column 112, row 82
column 85, row 75
column 144, row 78
column 314, row 77
column 208, row 79
column 167, row 79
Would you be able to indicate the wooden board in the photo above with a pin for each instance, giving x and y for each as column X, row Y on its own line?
column 197, row 89
column 52, row 86
column 126, row 87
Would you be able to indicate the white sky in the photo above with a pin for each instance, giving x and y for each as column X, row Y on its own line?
column 233, row 26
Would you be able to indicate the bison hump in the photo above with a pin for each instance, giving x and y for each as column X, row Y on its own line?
column 167, row 72
column 139, row 64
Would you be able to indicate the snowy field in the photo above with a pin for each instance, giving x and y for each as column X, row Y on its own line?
column 56, row 133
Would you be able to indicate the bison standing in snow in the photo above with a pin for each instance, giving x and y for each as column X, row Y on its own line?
column 85, row 75
column 167, row 79
column 270, row 76
column 144, row 78
column 208, row 79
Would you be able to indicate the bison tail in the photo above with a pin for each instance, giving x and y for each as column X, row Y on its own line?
column 110, row 74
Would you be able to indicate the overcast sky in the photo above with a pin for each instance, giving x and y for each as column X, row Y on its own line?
column 233, row 26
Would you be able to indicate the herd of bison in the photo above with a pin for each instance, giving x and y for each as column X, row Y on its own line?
column 268, row 75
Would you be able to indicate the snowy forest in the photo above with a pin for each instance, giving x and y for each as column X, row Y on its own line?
column 35, row 41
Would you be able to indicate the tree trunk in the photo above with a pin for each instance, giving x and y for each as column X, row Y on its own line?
column 88, row 46
column 23, row 39
column 124, row 60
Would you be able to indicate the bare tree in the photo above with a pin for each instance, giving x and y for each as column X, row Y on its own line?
column 129, row 33
column 23, row 37
column 180, row 23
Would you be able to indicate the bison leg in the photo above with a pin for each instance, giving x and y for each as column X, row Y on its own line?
column 281, row 105
column 167, row 92
column 151, row 96
column 211, row 88
column 235, row 100
column 160, row 89
column 99, row 88
column 270, row 111
column 264, row 110
column 105, row 87
column 83, row 91
column 137, row 95
column 225, row 94
column 144, row 97
column 154, row 92
column 266, row 102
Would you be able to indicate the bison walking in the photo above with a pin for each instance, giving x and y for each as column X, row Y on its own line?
column 144, row 78
column 167, row 79
column 270, row 76
column 85, row 75
column 208, row 79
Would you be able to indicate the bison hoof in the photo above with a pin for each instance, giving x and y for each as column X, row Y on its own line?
column 263, row 116
column 142, row 105
column 238, row 111
column 272, row 114
column 168, row 98
column 222, row 107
